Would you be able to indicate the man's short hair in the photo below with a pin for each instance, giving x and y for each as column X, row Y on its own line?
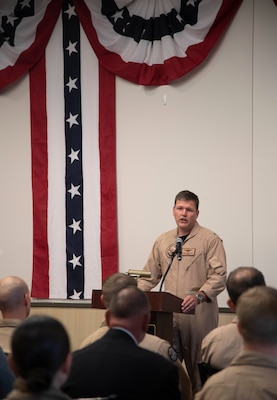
column 257, row 314
column 186, row 195
column 114, row 283
column 242, row 279
column 129, row 302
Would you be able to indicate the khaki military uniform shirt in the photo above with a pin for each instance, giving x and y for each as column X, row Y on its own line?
column 202, row 268
column 7, row 327
column 251, row 375
column 221, row 345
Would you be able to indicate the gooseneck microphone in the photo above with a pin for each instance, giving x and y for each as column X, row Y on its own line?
column 178, row 252
column 179, row 243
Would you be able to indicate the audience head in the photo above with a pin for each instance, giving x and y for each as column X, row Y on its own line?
column 14, row 298
column 240, row 280
column 40, row 353
column 129, row 308
column 113, row 284
column 257, row 315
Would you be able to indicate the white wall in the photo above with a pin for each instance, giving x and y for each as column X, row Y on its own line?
column 216, row 136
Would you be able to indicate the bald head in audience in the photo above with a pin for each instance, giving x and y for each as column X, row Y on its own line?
column 14, row 298
column 241, row 279
column 15, row 305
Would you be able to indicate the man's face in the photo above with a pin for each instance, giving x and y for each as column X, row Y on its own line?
column 185, row 215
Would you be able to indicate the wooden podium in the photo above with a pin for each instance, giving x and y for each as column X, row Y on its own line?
column 163, row 305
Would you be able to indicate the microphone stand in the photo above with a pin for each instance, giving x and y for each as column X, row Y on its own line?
column 166, row 272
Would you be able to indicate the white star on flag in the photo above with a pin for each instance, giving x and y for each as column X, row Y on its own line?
column 74, row 155
column 72, row 120
column 76, row 295
column 25, row 3
column 74, row 191
column 72, row 84
column 117, row 15
column 191, row 3
column 10, row 20
column 72, row 47
column 70, row 11
column 75, row 261
column 75, row 226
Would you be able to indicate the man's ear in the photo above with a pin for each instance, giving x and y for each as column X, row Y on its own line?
column 231, row 305
column 103, row 301
column 239, row 328
column 27, row 303
column 108, row 317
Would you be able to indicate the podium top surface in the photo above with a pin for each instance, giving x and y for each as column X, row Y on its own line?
column 159, row 301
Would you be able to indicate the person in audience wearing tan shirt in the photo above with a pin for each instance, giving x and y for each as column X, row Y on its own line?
column 222, row 344
column 252, row 373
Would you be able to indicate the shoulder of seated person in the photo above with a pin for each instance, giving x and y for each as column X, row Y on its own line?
column 160, row 346
column 215, row 334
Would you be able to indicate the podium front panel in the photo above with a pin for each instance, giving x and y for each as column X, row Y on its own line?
column 161, row 324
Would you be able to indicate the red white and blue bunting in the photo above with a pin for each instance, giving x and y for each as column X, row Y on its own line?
column 154, row 42
column 149, row 42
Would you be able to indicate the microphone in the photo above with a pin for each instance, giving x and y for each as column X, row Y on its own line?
column 179, row 243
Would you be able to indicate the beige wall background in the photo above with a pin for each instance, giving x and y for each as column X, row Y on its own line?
column 216, row 135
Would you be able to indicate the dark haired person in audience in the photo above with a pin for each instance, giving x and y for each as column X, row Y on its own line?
column 222, row 344
column 14, row 306
column 112, row 285
column 40, row 358
column 197, row 275
column 115, row 364
column 6, row 375
column 252, row 374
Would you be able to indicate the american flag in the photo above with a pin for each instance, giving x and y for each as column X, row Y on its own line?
column 73, row 145
column 73, row 152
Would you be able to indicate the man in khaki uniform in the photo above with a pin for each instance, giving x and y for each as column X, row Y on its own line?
column 223, row 343
column 197, row 274
column 252, row 374
column 113, row 284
